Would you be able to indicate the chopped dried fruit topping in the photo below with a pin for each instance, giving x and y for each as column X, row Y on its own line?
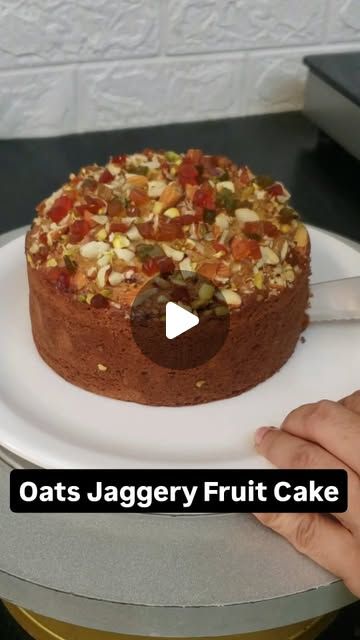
column 144, row 214
column 146, row 251
column 164, row 265
column 260, row 229
column 60, row 208
column 106, row 176
column 115, row 207
column 186, row 219
column 226, row 199
column 93, row 204
column 205, row 197
column 139, row 196
column 276, row 189
column 120, row 160
column 118, row 227
column 188, row 174
column 78, row 230
column 243, row 249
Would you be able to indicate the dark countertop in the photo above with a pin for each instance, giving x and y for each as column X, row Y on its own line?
column 340, row 70
column 323, row 178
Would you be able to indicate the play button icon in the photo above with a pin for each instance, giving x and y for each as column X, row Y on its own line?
column 178, row 320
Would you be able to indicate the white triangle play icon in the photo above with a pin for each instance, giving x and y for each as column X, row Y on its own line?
column 178, row 320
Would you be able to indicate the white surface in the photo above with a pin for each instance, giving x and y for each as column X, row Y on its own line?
column 54, row 424
column 178, row 320
column 89, row 66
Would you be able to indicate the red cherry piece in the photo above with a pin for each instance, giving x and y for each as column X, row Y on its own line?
column 188, row 174
column 276, row 189
column 120, row 160
column 106, row 177
column 78, row 230
column 93, row 204
column 270, row 229
column 60, row 208
column 205, row 197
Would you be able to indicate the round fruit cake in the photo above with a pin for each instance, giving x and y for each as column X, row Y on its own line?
column 99, row 239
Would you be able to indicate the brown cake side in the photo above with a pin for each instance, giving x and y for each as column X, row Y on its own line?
column 108, row 231
column 94, row 348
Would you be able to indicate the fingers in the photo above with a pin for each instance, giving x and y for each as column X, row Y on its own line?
column 352, row 402
column 290, row 452
column 322, row 539
column 332, row 426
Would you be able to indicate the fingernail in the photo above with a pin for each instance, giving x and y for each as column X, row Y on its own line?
column 260, row 434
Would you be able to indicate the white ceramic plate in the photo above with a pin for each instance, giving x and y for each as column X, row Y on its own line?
column 52, row 423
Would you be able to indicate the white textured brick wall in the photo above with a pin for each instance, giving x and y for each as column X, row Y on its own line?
column 81, row 65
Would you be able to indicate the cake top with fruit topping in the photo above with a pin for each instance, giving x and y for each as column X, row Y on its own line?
column 106, row 232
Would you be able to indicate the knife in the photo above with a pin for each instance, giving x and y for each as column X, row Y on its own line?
column 335, row 300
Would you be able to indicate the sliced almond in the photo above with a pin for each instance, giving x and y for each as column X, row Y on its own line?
column 116, row 278
column 225, row 185
column 100, row 219
column 231, row 297
column 94, row 249
column 173, row 253
column 222, row 221
column 101, row 276
column 246, row 215
column 104, row 260
column 125, row 254
column 156, row 187
column 284, row 250
column 269, row 256
column 133, row 233
column 186, row 265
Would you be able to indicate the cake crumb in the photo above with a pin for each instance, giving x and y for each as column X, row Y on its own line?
column 200, row 383
column 302, row 340
column 101, row 367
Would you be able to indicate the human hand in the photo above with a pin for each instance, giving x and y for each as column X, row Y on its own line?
column 323, row 435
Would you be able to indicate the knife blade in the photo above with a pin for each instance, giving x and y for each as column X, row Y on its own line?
column 335, row 300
